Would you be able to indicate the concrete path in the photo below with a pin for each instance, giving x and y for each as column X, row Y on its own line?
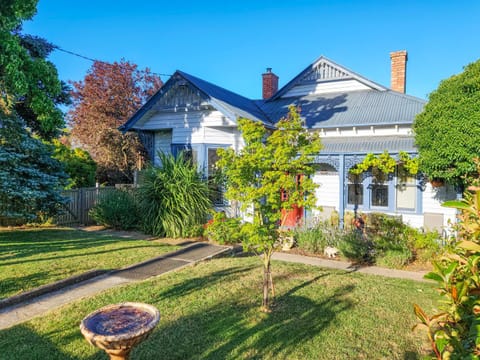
column 37, row 306
column 343, row 265
column 188, row 255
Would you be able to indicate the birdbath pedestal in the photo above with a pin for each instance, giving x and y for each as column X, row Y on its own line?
column 118, row 328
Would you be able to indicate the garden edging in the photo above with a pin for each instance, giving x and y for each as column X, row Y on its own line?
column 44, row 289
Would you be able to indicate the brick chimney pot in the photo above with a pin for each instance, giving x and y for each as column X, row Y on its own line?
column 399, row 70
column 269, row 84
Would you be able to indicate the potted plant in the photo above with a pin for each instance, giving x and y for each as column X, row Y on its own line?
column 436, row 182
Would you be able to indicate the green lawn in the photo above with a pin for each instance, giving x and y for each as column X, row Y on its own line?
column 211, row 311
column 30, row 258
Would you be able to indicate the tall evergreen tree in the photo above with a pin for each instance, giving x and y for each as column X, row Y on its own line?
column 28, row 81
column 30, row 180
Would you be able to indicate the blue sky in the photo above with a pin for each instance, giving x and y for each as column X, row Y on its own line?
column 231, row 43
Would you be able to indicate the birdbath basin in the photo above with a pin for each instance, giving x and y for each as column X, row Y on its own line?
column 118, row 328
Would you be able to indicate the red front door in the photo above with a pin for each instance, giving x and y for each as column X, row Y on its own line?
column 293, row 217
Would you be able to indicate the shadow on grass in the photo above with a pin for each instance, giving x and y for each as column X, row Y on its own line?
column 79, row 255
column 196, row 283
column 24, row 343
column 225, row 327
column 26, row 243
column 236, row 329
column 22, row 283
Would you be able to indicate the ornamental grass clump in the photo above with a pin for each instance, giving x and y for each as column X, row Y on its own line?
column 173, row 198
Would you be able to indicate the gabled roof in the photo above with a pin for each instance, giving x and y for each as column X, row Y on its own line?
column 241, row 106
column 324, row 69
column 373, row 105
column 346, row 109
column 225, row 101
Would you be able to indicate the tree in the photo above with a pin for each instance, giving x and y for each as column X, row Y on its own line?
column 104, row 100
column 30, row 179
column 28, row 81
column 78, row 164
column 447, row 132
column 264, row 178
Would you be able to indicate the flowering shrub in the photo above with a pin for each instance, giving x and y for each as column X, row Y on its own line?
column 222, row 229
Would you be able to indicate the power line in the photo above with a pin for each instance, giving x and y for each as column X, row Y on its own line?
column 96, row 60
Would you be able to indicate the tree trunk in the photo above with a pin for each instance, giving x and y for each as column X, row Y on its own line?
column 267, row 281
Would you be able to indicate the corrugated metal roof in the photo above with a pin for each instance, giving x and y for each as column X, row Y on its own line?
column 365, row 107
column 354, row 108
column 239, row 105
column 367, row 144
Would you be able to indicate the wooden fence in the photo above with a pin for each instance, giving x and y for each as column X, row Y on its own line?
column 79, row 202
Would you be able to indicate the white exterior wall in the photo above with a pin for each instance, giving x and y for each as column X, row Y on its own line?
column 433, row 199
column 414, row 220
column 195, row 127
column 185, row 126
column 212, row 127
column 327, row 193
column 327, row 87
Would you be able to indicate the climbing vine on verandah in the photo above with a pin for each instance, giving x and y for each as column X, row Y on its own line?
column 386, row 164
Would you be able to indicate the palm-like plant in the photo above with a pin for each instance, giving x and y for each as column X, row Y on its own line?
column 173, row 198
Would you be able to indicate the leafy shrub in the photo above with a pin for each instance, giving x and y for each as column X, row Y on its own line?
column 390, row 238
column 78, row 164
column 173, row 198
column 427, row 245
column 314, row 239
column 223, row 230
column 311, row 240
column 196, row 230
column 394, row 258
column 354, row 246
column 454, row 332
column 116, row 209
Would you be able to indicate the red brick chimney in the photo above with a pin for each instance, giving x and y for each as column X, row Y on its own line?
column 399, row 70
column 269, row 84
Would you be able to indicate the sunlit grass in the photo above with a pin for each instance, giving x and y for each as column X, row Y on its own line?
column 31, row 258
column 211, row 311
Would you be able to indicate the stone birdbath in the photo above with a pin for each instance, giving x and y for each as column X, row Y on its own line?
column 118, row 328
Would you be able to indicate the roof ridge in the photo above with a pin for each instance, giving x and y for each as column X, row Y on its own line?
column 183, row 73
column 374, row 85
column 251, row 101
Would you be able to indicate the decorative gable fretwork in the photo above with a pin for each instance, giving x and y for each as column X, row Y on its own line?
column 180, row 95
column 326, row 71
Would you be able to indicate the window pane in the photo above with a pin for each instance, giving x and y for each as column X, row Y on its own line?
column 404, row 177
column 216, row 190
column 355, row 194
column 190, row 155
column 379, row 195
column 212, row 160
column 406, row 197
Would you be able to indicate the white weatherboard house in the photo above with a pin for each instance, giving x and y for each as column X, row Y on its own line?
column 354, row 115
